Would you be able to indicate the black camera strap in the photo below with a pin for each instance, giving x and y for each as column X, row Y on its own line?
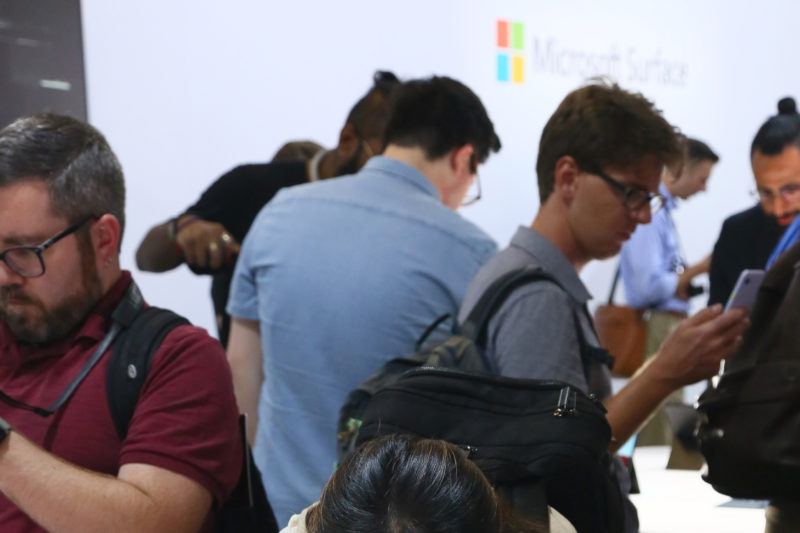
column 122, row 316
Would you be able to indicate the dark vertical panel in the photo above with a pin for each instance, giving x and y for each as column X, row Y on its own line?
column 41, row 58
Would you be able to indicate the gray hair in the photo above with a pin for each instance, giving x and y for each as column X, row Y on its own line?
column 83, row 175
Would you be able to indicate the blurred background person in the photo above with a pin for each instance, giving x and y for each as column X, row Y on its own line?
column 296, row 150
column 654, row 270
column 748, row 238
column 207, row 236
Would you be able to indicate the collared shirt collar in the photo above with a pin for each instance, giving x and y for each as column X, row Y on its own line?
column 551, row 259
column 313, row 165
column 669, row 201
column 403, row 171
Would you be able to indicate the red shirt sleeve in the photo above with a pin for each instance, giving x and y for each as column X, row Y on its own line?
column 186, row 417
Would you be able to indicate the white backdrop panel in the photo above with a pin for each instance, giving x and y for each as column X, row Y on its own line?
column 185, row 90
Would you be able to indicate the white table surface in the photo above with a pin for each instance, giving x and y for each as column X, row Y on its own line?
column 679, row 501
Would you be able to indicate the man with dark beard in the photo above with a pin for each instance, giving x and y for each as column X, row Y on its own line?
column 64, row 468
column 748, row 238
column 207, row 235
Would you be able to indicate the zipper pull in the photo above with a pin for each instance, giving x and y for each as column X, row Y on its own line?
column 567, row 400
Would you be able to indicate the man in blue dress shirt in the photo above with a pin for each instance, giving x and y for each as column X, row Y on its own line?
column 337, row 277
column 655, row 273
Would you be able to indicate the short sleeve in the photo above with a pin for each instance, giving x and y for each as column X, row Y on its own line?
column 533, row 336
column 186, row 420
column 243, row 297
column 644, row 265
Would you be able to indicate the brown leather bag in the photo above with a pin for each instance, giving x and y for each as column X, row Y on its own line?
column 622, row 331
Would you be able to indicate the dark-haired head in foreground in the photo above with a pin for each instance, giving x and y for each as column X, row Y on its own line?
column 775, row 157
column 404, row 484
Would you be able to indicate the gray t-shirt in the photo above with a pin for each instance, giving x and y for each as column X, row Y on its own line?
column 533, row 335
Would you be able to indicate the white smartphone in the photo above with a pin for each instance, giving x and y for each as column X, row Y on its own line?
column 746, row 289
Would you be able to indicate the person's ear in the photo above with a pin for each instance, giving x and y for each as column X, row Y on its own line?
column 565, row 177
column 670, row 178
column 462, row 161
column 105, row 234
column 348, row 142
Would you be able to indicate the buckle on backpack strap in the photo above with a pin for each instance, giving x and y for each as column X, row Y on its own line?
column 567, row 400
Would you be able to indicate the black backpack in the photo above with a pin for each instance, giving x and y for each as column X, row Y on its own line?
column 143, row 329
column 750, row 422
column 538, row 442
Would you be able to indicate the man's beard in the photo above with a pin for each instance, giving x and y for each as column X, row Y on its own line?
column 786, row 219
column 55, row 323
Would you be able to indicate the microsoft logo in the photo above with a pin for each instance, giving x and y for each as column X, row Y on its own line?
column 510, row 43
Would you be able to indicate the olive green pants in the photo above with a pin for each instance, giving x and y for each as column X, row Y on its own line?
column 657, row 431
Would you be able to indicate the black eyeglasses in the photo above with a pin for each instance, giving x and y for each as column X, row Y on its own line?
column 27, row 261
column 634, row 198
column 475, row 192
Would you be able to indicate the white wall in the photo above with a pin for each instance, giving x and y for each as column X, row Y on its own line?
column 185, row 90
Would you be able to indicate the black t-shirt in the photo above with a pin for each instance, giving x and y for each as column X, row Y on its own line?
column 234, row 200
column 746, row 241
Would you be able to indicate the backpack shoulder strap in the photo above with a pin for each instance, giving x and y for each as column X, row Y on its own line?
column 590, row 353
column 130, row 361
column 477, row 322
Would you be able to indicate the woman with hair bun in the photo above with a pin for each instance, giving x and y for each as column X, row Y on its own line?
column 748, row 238
column 406, row 484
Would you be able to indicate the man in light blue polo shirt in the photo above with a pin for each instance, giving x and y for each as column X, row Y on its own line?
column 335, row 278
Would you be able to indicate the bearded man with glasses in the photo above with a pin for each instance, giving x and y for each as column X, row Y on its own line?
column 62, row 199
column 748, row 239
column 601, row 155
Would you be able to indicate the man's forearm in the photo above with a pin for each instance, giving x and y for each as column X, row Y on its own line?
column 64, row 498
column 692, row 352
column 244, row 356
column 158, row 252
column 632, row 406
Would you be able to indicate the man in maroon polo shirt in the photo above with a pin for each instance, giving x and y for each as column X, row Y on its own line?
column 61, row 219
